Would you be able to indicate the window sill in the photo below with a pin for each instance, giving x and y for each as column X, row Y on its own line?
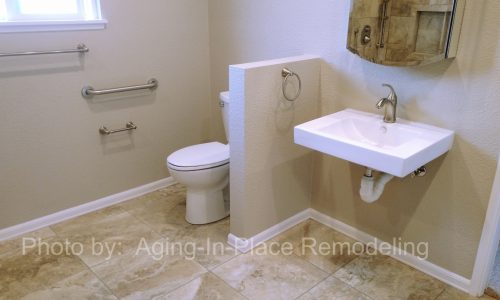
column 37, row 26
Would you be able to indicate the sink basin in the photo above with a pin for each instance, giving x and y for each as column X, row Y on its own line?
column 363, row 138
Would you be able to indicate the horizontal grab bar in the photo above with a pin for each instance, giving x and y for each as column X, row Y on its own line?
column 89, row 91
column 129, row 126
column 81, row 48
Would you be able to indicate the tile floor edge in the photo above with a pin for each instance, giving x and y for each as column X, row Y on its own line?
column 427, row 267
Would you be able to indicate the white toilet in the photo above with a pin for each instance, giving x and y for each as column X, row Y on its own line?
column 204, row 170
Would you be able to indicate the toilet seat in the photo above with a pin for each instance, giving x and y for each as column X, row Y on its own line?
column 199, row 157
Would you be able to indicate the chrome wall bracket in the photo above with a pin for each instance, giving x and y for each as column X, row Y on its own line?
column 420, row 172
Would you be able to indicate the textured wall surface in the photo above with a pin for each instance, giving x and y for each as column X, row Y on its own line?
column 270, row 175
column 447, row 207
column 51, row 155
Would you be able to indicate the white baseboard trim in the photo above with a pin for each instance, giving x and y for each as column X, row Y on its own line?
column 488, row 245
column 448, row 277
column 245, row 245
column 20, row 229
column 424, row 266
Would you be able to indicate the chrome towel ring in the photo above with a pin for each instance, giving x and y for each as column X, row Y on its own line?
column 287, row 74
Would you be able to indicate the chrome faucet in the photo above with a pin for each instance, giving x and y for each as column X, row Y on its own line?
column 389, row 103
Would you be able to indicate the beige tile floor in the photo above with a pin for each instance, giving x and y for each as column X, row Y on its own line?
column 133, row 251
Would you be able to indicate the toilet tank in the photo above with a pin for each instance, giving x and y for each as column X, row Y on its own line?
column 224, row 104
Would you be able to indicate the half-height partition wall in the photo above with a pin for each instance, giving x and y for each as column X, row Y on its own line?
column 270, row 175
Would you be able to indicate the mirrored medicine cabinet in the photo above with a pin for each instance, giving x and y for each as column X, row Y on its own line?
column 405, row 32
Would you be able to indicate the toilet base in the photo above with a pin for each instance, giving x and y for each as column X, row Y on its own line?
column 205, row 193
column 205, row 206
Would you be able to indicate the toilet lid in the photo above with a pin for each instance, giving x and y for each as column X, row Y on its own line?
column 202, row 156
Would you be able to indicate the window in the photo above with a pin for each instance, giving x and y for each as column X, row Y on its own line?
column 48, row 15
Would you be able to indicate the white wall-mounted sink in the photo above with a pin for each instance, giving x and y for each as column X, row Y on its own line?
column 363, row 138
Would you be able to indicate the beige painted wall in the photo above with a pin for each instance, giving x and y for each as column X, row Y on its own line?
column 447, row 207
column 51, row 155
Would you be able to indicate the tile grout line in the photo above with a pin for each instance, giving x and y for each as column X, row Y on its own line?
column 285, row 256
column 142, row 222
column 227, row 261
column 440, row 294
column 330, row 274
column 208, row 271
column 238, row 292
column 133, row 216
column 369, row 297
column 348, row 284
column 123, row 211
column 164, row 237
column 186, row 283
column 89, row 268
column 318, row 283
column 102, row 281
column 136, row 217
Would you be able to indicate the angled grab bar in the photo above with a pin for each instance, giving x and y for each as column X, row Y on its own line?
column 88, row 91
column 81, row 48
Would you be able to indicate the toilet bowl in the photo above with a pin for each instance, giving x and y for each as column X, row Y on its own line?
column 204, row 170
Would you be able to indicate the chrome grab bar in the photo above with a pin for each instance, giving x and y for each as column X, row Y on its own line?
column 88, row 91
column 129, row 126
column 81, row 48
column 383, row 17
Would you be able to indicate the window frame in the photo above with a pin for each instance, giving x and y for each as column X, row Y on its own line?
column 19, row 22
column 14, row 12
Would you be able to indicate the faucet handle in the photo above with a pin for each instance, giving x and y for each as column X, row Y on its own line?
column 381, row 103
